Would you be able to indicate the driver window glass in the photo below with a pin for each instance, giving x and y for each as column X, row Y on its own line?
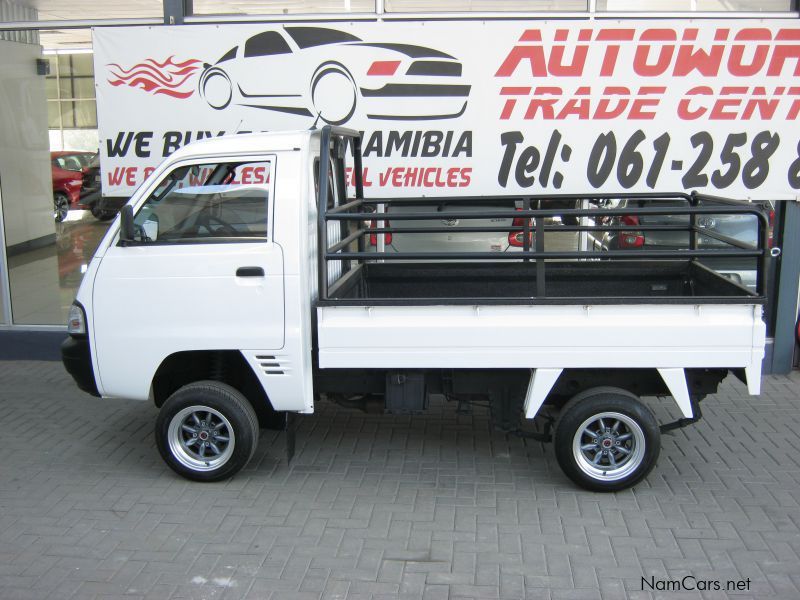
column 206, row 203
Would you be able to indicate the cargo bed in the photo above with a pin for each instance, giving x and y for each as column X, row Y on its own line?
column 546, row 311
column 594, row 314
column 568, row 282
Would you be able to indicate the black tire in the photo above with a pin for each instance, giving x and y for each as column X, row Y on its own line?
column 60, row 206
column 622, row 461
column 220, row 408
column 102, row 214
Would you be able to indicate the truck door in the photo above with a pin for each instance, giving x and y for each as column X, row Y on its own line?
column 203, row 273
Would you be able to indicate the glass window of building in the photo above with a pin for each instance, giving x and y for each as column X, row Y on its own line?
column 56, row 10
column 421, row 6
column 695, row 5
column 227, row 7
column 71, row 99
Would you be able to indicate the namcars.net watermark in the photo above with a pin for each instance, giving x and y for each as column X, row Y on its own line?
column 690, row 583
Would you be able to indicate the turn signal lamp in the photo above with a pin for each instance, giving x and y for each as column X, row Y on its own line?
column 76, row 321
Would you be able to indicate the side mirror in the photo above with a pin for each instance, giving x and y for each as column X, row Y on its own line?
column 127, row 230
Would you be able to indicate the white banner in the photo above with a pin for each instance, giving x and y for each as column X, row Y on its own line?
column 474, row 107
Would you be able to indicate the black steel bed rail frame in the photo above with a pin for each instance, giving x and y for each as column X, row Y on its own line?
column 333, row 145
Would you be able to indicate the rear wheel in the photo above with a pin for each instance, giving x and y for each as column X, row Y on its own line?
column 60, row 206
column 206, row 431
column 607, row 441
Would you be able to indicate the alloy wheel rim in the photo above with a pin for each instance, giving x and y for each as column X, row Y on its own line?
column 61, row 208
column 201, row 438
column 609, row 446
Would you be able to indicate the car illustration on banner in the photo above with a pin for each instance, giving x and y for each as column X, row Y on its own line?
column 387, row 81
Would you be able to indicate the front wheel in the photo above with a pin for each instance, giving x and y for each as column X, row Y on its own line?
column 206, row 431
column 606, row 442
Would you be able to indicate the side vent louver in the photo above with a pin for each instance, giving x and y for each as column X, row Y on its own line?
column 270, row 365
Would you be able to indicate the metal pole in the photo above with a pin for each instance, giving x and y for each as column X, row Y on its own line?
column 583, row 235
column 355, row 144
column 357, row 167
column 788, row 284
column 174, row 12
column 5, row 286
column 538, row 222
column 693, row 224
column 322, row 206
column 526, row 232
column 77, row 24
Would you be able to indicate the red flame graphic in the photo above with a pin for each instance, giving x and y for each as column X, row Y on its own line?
column 168, row 77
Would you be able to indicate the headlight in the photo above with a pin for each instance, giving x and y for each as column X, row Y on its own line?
column 76, row 322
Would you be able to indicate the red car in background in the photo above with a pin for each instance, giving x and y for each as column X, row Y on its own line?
column 68, row 168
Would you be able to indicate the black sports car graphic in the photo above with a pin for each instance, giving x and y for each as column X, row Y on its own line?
column 389, row 81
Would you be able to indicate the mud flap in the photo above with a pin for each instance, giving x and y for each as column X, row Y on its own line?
column 291, row 427
column 542, row 381
column 676, row 383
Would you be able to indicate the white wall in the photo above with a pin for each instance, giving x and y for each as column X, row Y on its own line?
column 25, row 174
column 27, row 189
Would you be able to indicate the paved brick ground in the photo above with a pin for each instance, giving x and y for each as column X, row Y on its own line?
column 434, row 507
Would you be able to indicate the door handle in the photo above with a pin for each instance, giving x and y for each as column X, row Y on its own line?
column 249, row 272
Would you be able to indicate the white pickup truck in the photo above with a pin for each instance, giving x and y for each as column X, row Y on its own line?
column 239, row 286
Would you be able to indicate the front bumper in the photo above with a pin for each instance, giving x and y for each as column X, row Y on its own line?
column 77, row 358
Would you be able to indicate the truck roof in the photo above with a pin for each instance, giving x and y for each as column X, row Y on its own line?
column 254, row 142
column 246, row 142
